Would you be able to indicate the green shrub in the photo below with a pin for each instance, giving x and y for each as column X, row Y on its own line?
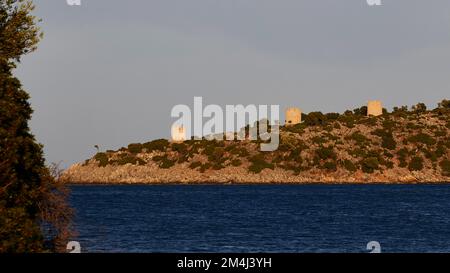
column 416, row 164
column 209, row 150
column 332, row 116
column 388, row 125
column 347, row 113
column 402, row 163
column 130, row 160
column 205, row 167
column 330, row 166
column 183, row 158
column 195, row 165
column 102, row 159
column 362, row 111
column 445, row 166
column 400, row 111
column 389, row 164
column 413, row 126
column 156, row 145
column 389, row 143
column 294, row 154
column 166, row 163
column 349, row 166
column 217, row 166
column 295, row 168
column 236, row 162
column 328, row 128
column 440, row 133
column 324, row 153
column 230, row 148
column 277, row 159
column 297, row 128
column 179, row 147
column 370, row 164
column 217, row 156
column 436, row 154
column 374, row 153
column 315, row 118
column 388, row 154
column 358, row 138
column 422, row 138
column 444, row 104
column 440, row 150
column 158, row 158
column 420, row 107
column 357, row 153
column 240, row 151
column 319, row 140
column 371, row 121
column 403, row 152
column 387, row 138
column 431, row 155
column 258, row 163
column 350, row 124
column 135, row 148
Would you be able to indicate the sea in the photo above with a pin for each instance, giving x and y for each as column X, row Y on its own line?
column 262, row 218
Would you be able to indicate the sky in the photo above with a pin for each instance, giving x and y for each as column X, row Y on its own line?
column 108, row 72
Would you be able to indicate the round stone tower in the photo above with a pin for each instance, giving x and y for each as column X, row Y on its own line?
column 178, row 133
column 374, row 108
column 293, row 116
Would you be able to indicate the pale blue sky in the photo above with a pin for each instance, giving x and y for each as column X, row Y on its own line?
column 109, row 72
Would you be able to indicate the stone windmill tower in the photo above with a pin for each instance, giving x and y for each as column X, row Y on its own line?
column 178, row 133
column 374, row 108
column 293, row 116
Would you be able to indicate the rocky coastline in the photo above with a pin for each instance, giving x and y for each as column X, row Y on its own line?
column 182, row 174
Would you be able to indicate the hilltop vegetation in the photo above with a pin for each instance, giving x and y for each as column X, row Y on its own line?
column 406, row 141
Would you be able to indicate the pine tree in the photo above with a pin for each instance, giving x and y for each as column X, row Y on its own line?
column 34, row 215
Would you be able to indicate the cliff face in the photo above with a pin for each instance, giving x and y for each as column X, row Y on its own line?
column 401, row 147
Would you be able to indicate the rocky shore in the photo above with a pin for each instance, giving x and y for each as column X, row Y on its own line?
column 182, row 174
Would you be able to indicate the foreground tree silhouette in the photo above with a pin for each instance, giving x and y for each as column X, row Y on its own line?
column 34, row 215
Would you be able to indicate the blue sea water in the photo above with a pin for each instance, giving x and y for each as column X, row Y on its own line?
column 258, row 218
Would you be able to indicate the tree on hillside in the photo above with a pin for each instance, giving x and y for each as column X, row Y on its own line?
column 401, row 109
column 315, row 118
column 362, row 111
column 444, row 104
column 420, row 107
column 34, row 215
